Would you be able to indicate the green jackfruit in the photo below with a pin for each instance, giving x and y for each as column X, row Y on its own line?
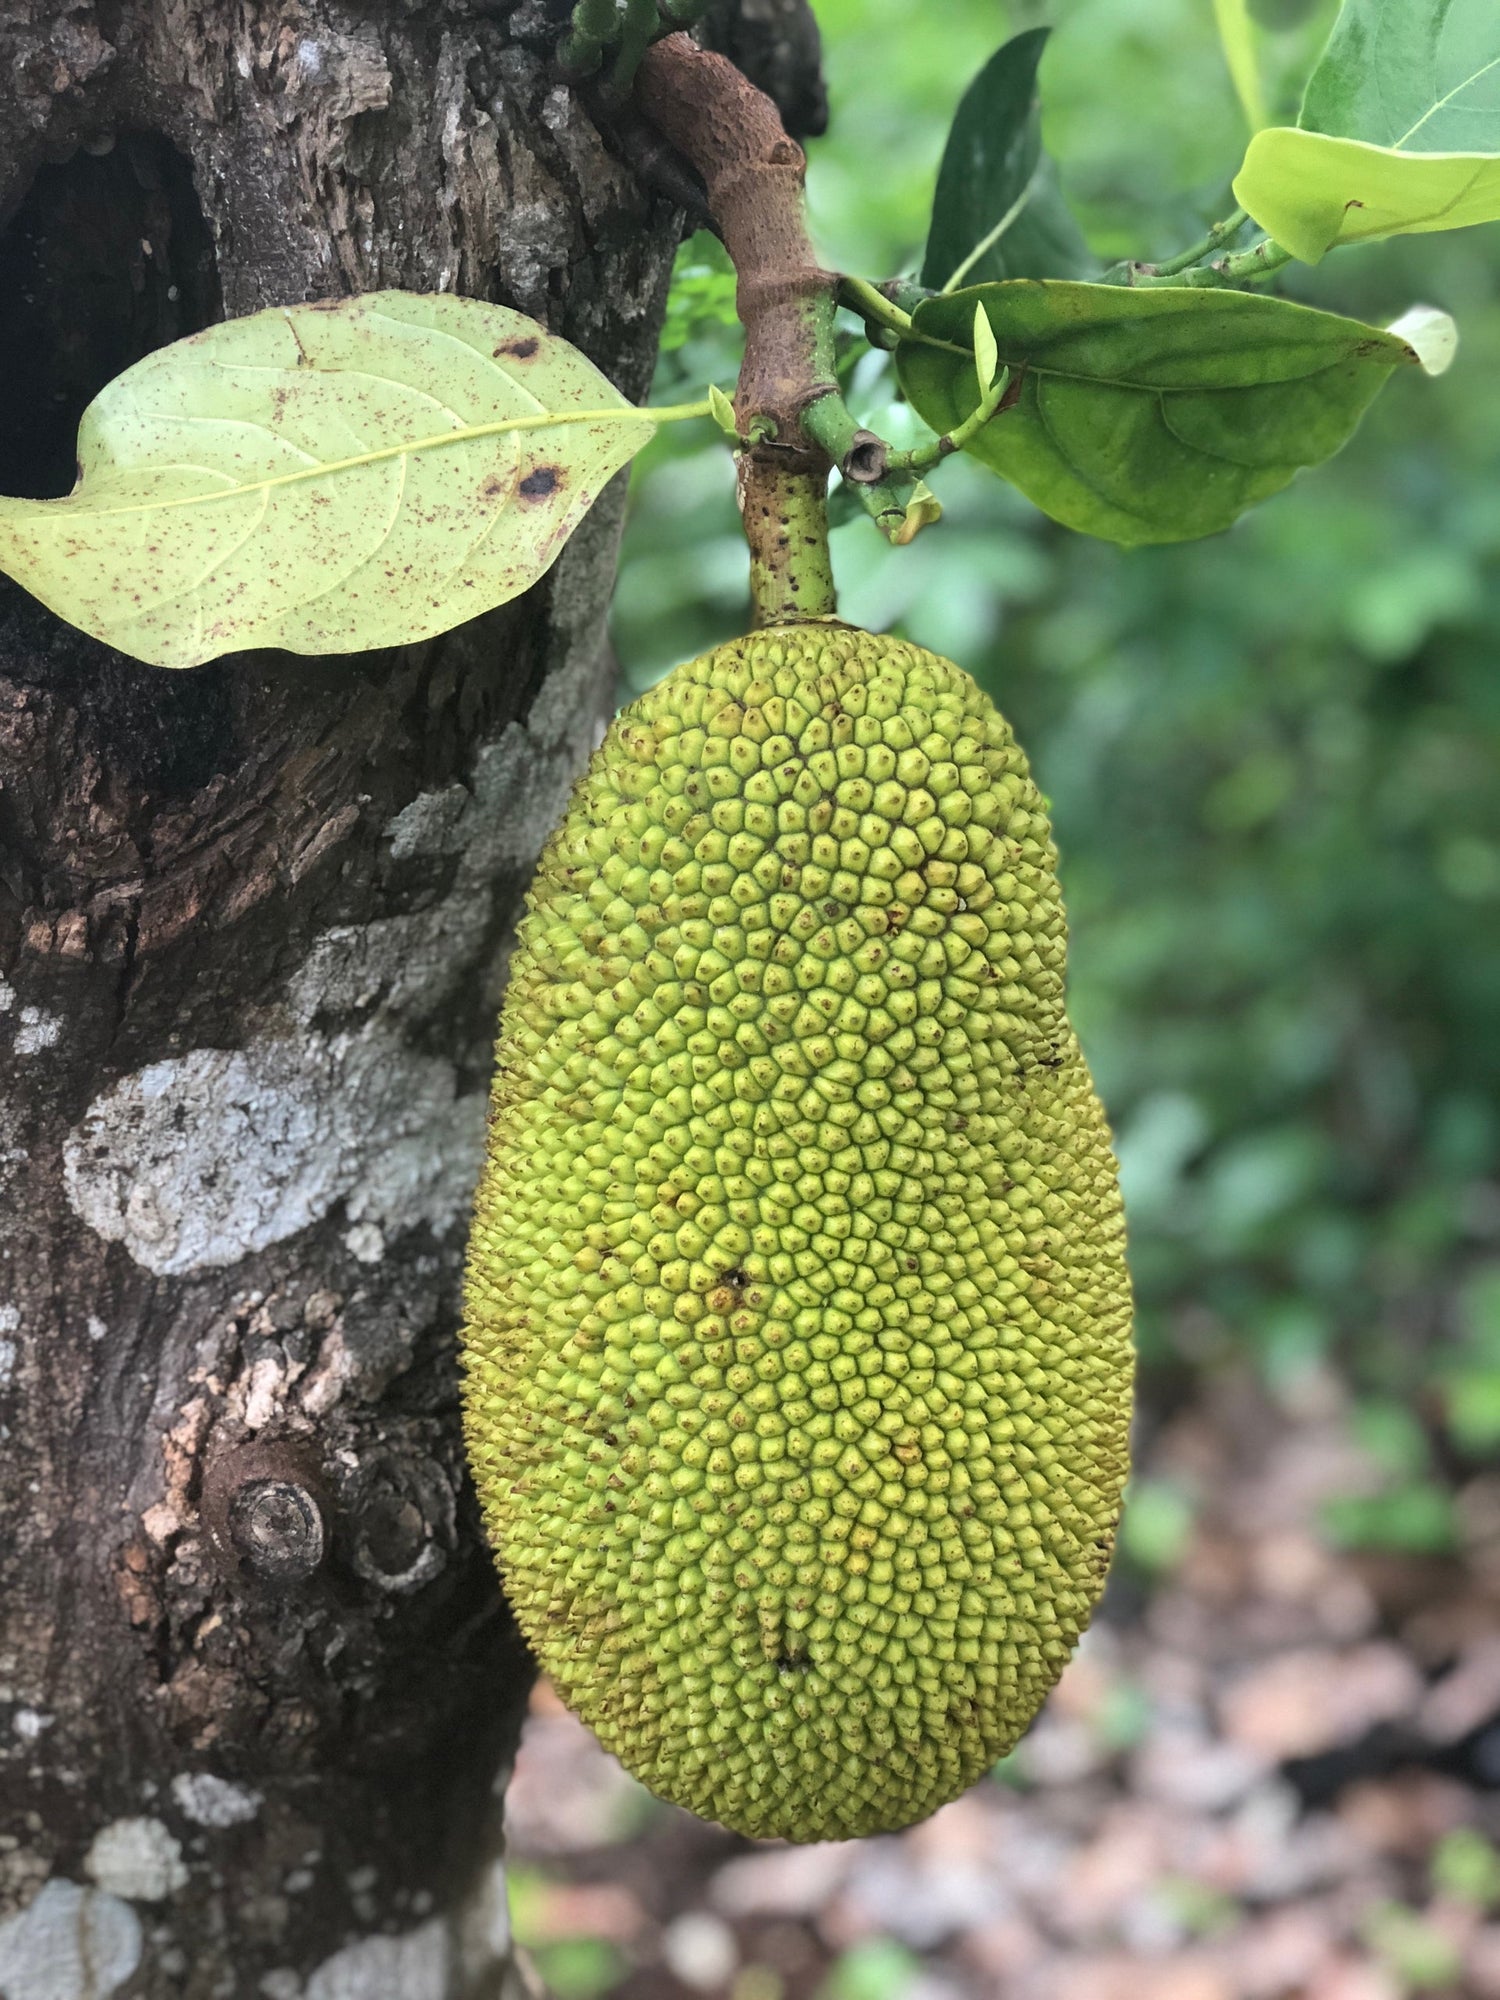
column 798, row 1363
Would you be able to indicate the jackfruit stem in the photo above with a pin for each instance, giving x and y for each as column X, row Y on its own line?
column 752, row 172
column 785, row 512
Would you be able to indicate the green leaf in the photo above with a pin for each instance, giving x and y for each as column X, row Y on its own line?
column 1238, row 40
column 721, row 409
column 1154, row 415
column 1311, row 192
column 986, row 353
column 996, row 188
column 1399, row 132
column 1419, row 76
column 325, row 478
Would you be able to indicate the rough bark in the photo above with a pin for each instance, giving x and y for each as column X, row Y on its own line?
column 256, row 1678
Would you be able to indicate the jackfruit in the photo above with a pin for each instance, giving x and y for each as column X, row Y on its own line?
column 798, row 1325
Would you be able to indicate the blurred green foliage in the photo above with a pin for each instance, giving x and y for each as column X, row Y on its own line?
column 1419, row 1955
column 574, row 1968
column 875, row 1969
column 1466, row 1869
column 1156, row 1526
column 1274, row 757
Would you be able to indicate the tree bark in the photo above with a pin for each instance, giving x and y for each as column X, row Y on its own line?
column 256, row 1678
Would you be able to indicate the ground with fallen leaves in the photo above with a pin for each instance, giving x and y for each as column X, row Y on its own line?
column 1272, row 1773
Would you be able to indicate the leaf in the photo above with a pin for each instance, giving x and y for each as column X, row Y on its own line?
column 1310, row 191
column 986, row 353
column 1431, row 334
column 1399, row 132
column 721, row 409
column 1154, row 415
column 325, row 478
column 1238, row 40
column 1419, row 76
column 922, row 510
column 993, row 168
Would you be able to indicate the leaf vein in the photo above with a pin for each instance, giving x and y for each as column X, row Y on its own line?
column 361, row 562
column 197, row 583
column 1444, row 101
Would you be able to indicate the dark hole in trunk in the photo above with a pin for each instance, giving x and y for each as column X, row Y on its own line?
column 107, row 257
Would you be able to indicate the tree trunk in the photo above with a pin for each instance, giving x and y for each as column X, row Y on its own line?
column 256, row 1677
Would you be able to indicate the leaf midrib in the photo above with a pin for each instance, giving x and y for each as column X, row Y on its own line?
column 1144, row 388
column 77, row 501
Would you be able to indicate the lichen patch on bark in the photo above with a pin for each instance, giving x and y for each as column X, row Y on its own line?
column 212, row 1801
column 198, row 1161
column 69, row 1943
column 416, row 1966
column 137, row 1859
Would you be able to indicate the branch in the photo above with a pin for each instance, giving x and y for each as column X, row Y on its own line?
column 733, row 137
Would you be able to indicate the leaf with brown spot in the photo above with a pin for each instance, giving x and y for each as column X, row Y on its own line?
column 326, row 478
column 540, row 483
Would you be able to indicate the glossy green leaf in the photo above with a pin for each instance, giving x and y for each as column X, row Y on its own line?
column 1399, row 131
column 325, row 478
column 996, row 189
column 1154, row 415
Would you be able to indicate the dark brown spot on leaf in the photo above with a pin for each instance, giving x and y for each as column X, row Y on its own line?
column 537, row 485
column 520, row 350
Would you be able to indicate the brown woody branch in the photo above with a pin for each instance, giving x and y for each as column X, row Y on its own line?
column 733, row 137
column 732, row 134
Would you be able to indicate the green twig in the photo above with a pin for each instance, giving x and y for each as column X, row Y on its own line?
column 1248, row 266
column 873, row 307
column 1242, row 267
column 886, row 503
column 922, row 458
column 906, row 293
column 856, row 295
column 1216, row 238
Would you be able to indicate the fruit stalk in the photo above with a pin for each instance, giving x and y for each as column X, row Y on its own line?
column 752, row 172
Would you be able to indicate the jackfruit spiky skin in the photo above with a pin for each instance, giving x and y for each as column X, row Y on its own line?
column 798, row 1347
